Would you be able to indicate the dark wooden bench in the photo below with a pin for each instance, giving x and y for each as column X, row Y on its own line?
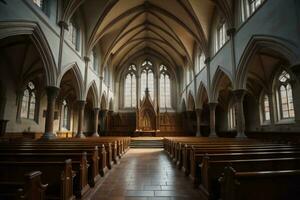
column 211, row 170
column 58, row 175
column 30, row 188
column 260, row 185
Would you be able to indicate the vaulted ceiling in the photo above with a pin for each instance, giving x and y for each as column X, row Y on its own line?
column 168, row 28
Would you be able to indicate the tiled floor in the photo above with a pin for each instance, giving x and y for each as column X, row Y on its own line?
column 146, row 174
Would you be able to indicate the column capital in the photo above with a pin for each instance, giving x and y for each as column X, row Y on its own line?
column 52, row 91
column 198, row 111
column 63, row 25
column 86, row 59
column 212, row 105
column 81, row 102
column 239, row 94
column 96, row 109
column 207, row 60
column 231, row 31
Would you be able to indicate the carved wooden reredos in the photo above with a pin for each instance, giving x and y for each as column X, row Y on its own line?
column 147, row 119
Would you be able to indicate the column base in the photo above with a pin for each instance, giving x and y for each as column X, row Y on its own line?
column 241, row 135
column 213, row 135
column 95, row 135
column 48, row 136
column 80, row 135
column 198, row 134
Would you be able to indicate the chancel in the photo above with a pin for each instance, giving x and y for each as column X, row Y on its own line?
column 150, row 99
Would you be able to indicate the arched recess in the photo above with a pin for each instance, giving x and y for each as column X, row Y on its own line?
column 202, row 103
column 36, row 35
column 202, row 95
column 262, row 43
column 92, row 94
column 91, row 104
column 191, row 102
column 263, row 59
column 103, row 103
column 111, row 105
column 183, row 105
column 191, row 119
column 220, row 81
column 73, row 68
column 21, row 62
column 221, row 93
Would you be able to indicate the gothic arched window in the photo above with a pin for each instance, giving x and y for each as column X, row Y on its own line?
column 285, row 96
column 28, row 102
column 39, row 3
column 231, row 117
column 165, row 88
column 248, row 7
column 94, row 61
column 220, row 36
column 266, row 108
column 147, row 79
column 65, row 115
column 130, row 88
column 74, row 35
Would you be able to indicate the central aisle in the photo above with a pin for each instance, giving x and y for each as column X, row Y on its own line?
column 146, row 174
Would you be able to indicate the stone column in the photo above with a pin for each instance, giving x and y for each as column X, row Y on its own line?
column 158, row 102
column 212, row 118
column 52, row 93
column 239, row 111
column 63, row 26
column 102, row 120
column 271, row 106
column 198, row 114
column 81, row 105
column 138, row 97
column 96, row 120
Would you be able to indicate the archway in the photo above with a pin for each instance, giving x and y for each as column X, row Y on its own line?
column 69, row 96
column 221, row 93
column 22, row 64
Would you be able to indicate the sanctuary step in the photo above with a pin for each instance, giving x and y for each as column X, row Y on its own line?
column 146, row 142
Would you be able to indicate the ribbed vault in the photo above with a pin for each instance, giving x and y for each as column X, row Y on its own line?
column 170, row 28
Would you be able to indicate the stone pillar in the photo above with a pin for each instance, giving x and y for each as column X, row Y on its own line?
column 239, row 111
column 96, row 120
column 271, row 106
column 198, row 114
column 212, row 118
column 102, row 120
column 138, row 97
column 158, row 101
column 81, row 105
column 63, row 26
column 52, row 93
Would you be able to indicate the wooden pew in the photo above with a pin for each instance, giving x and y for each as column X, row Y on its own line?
column 260, row 185
column 28, row 189
column 58, row 175
column 211, row 170
column 79, row 165
column 196, row 155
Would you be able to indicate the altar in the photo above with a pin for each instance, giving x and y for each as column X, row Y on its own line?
column 146, row 117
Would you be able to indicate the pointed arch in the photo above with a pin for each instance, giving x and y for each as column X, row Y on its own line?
column 191, row 102
column 201, row 95
column 111, row 105
column 221, row 80
column 74, row 68
column 14, row 28
column 257, row 43
column 103, row 103
column 183, row 105
column 93, row 90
